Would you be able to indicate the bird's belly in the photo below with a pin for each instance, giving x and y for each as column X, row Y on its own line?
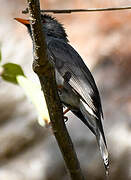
column 69, row 98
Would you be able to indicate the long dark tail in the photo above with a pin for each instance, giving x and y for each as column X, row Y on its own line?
column 103, row 149
column 97, row 130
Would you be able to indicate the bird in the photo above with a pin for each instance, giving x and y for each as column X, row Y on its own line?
column 76, row 86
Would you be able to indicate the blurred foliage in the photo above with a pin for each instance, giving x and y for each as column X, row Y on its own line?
column 11, row 71
column 34, row 93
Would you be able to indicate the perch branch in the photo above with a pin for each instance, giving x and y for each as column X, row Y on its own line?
column 45, row 72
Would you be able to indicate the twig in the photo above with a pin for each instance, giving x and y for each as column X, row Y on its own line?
column 45, row 72
column 85, row 10
column 58, row 11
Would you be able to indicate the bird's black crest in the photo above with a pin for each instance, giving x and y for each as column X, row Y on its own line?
column 53, row 27
column 47, row 16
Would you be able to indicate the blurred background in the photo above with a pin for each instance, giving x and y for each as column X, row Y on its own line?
column 103, row 39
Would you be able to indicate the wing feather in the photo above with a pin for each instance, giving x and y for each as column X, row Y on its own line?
column 66, row 59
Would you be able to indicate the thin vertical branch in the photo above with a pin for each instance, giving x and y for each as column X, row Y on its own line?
column 45, row 72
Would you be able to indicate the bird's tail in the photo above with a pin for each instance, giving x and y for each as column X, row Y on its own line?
column 95, row 126
column 103, row 149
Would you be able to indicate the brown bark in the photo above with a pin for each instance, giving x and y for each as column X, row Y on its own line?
column 45, row 72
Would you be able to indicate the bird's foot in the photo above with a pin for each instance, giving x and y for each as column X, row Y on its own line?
column 67, row 110
column 65, row 119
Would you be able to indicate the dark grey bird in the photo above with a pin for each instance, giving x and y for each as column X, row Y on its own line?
column 76, row 86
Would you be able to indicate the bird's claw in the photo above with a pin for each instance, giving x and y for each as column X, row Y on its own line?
column 65, row 119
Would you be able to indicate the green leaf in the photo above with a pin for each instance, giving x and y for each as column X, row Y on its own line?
column 0, row 56
column 11, row 71
column 34, row 93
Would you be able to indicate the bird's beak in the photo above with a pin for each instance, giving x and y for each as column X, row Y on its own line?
column 23, row 21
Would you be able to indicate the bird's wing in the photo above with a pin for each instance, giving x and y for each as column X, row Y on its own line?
column 68, row 62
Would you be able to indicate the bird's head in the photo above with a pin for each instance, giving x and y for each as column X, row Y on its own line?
column 51, row 27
